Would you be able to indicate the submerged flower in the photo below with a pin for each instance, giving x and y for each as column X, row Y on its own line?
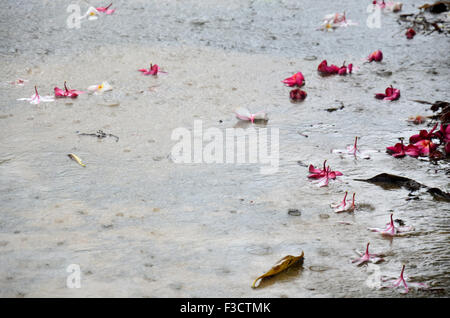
column 295, row 80
column 353, row 151
column 153, row 70
column 391, row 229
column 99, row 89
column 36, row 98
column 400, row 150
column 367, row 257
column 402, row 281
column 410, row 33
column 106, row 10
column 244, row 114
column 390, row 94
column 72, row 93
column 376, row 56
column 345, row 206
column 297, row 94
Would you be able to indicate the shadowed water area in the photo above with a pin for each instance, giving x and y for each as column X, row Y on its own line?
column 141, row 225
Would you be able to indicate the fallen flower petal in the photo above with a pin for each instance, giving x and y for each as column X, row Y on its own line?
column 244, row 114
column 425, row 147
column 335, row 20
column 367, row 257
column 106, row 10
column 295, row 80
column 91, row 14
column 99, row 89
column 424, row 135
column 391, row 229
column 19, row 82
column 36, row 98
column 72, row 93
column 326, row 69
column 410, row 33
column 353, row 151
column 376, row 56
column 297, row 95
column 402, row 281
column 417, row 120
column 153, row 70
column 345, row 206
column 390, row 94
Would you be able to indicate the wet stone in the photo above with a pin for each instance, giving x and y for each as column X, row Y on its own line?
column 294, row 212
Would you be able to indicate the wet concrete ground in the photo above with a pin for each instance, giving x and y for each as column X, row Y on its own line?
column 140, row 225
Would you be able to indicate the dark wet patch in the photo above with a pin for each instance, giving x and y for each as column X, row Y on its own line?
column 294, row 212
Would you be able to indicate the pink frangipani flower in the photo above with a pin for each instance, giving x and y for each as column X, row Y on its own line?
column 424, row 135
column 244, row 114
column 425, row 147
column 106, row 10
column 72, row 93
column 19, row 82
column 335, row 20
column 295, row 80
column 297, row 94
column 326, row 69
column 323, row 175
column 153, row 70
column 36, row 98
column 376, row 56
column 401, row 281
column 390, row 94
column 345, row 206
column 391, row 229
column 367, row 257
column 400, row 150
column 354, row 151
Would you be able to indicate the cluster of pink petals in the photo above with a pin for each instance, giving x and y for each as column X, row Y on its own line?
column 410, row 33
column 367, row 257
column 391, row 229
column 399, row 150
column 297, row 80
column 153, row 70
column 72, row 93
column 376, row 56
column 401, row 282
column 421, row 144
column 106, row 10
column 345, row 206
column 323, row 175
column 326, row 69
column 391, row 94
